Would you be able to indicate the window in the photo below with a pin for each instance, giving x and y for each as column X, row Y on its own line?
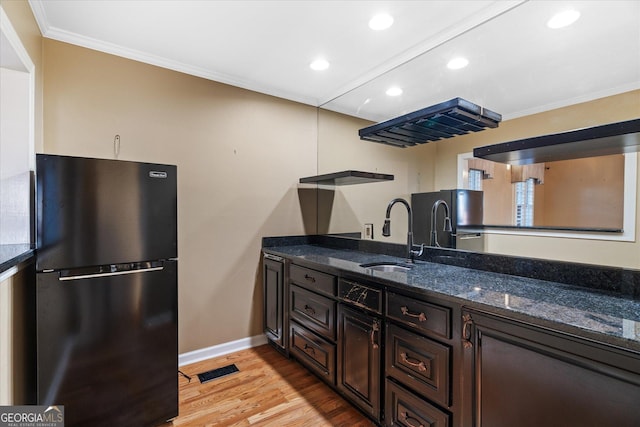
column 475, row 179
column 524, row 198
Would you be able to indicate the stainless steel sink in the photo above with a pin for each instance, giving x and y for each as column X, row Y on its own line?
column 387, row 266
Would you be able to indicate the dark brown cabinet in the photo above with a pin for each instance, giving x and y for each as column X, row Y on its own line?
column 421, row 371
column 335, row 330
column 429, row 319
column 405, row 409
column 315, row 312
column 420, row 363
column 359, row 350
column 528, row 376
column 314, row 280
column 416, row 359
column 312, row 314
column 273, row 287
column 317, row 353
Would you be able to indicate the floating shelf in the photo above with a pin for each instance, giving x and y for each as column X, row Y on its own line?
column 444, row 120
column 346, row 178
column 613, row 138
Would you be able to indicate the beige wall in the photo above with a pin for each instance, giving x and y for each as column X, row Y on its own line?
column 587, row 193
column 499, row 195
column 584, row 192
column 239, row 156
column 340, row 148
column 606, row 110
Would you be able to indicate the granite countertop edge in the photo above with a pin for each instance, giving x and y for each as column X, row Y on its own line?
column 598, row 316
column 13, row 254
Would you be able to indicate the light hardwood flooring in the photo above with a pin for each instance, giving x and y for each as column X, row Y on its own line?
column 268, row 390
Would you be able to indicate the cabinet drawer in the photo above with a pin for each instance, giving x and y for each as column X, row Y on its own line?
column 312, row 279
column 429, row 318
column 360, row 295
column 418, row 362
column 313, row 351
column 314, row 311
column 403, row 408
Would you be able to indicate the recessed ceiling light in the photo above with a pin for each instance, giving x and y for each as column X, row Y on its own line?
column 394, row 91
column 457, row 63
column 319, row 64
column 382, row 21
column 563, row 19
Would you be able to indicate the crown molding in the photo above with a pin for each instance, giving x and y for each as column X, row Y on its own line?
column 53, row 33
column 586, row 97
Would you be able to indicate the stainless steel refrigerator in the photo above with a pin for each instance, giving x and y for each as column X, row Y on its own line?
column 465, row 210
column 106, row 290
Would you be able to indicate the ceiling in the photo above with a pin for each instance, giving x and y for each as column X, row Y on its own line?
column 517, row 66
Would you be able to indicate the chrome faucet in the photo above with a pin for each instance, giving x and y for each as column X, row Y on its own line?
column 386, row 229
column 447, row 221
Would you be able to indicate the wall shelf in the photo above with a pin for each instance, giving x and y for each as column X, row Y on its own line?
column 346, row 178
column 440, row 121
column 613, row 138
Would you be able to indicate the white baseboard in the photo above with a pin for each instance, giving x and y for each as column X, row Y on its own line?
column 220, row 349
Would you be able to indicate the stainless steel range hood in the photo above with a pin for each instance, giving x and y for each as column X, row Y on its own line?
column 613, row 138
column 440, row 121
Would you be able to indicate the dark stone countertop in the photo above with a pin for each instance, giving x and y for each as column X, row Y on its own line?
column 12, row 255
column 597, row 315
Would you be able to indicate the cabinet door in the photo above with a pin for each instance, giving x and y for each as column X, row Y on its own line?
column 527, row 376
column 273, row 288
column 359, row 344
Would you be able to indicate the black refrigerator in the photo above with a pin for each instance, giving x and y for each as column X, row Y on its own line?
column 106, row 290
column 465, row 210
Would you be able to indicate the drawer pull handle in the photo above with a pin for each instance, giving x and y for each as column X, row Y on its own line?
column 310, row 278
column 404, row 417
column 467, row 322
column 420, row 316
column 307, row 348
column 374, row 328
column 309, row 310
column 413, row 362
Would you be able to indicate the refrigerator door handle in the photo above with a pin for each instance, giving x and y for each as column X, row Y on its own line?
column 114, row 273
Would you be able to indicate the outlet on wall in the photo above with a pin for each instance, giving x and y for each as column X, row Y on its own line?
column 368, row 231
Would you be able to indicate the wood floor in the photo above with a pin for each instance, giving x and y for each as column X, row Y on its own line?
column 268, row 390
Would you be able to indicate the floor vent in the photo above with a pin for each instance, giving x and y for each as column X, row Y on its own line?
column 217, row 373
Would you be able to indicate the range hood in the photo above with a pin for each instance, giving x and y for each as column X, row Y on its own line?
column 440, row 121
column 346, row 178
column 613, row 138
